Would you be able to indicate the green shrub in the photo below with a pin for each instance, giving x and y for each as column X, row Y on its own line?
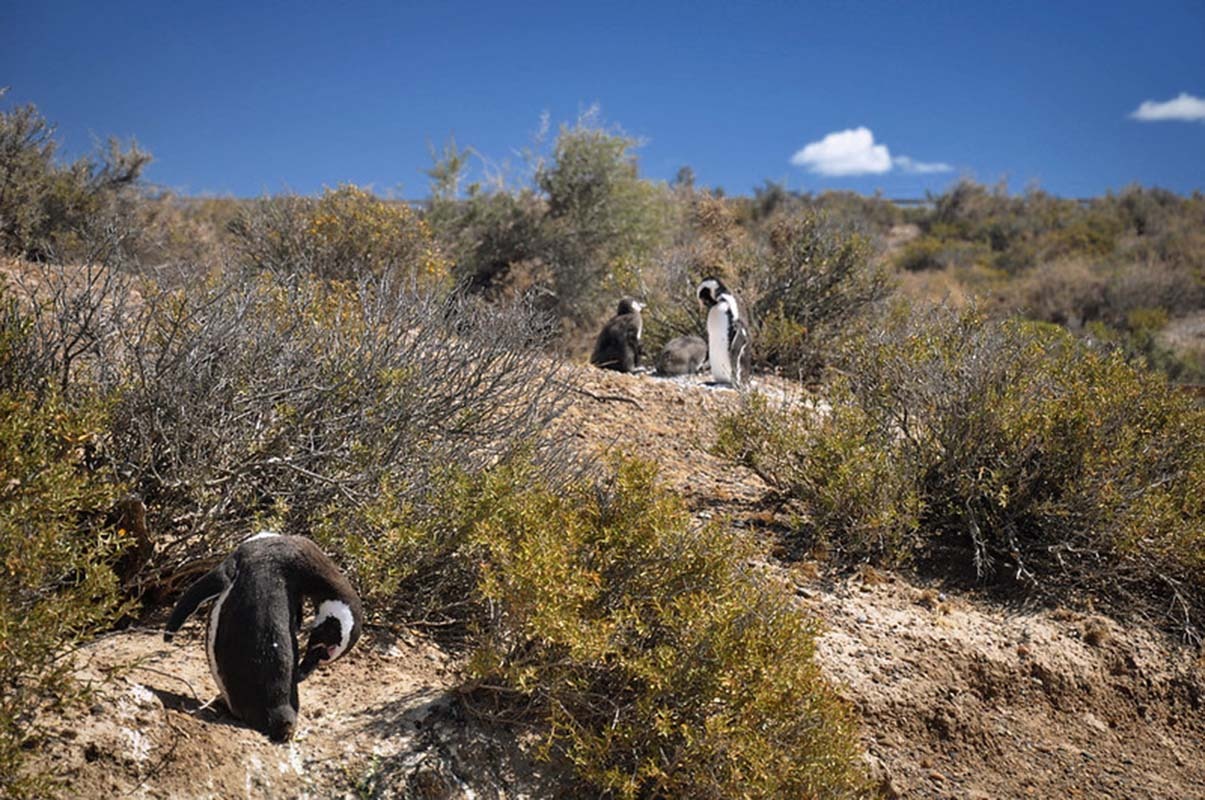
column 576, row 235
column 1046, row 463
column 604, row 220
column 857, row 492
column 346, row 234
column 813, row 283
column 650, row 655
column 58, row 589
column 50, row 210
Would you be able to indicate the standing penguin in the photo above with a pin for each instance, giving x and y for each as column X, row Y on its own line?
column 727, row 335
column 252, row 637
column 618, row 344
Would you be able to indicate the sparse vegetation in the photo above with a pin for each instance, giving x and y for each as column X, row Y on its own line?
column 378, row 376
column 55, row 551
column 652, row 657
column 55, row 211
column 1043, row 463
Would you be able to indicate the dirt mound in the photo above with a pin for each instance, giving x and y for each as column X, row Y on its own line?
column 960, row 697
column 382, row 722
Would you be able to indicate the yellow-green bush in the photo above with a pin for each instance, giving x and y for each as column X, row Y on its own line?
column 50, row 210
column 56, row 588
column 1043, row 461
column 649, row 652
column 345, row 234
column 858, row 493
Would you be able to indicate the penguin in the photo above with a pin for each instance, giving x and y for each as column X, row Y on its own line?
column 618, row 344
column 684, row 355
column 728, row 339
column 252, row 637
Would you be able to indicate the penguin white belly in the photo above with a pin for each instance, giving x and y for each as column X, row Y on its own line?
column 211, row 639
column 717, row 344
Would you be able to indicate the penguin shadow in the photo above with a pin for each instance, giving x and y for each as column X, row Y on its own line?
column 412, row 711
column 214, row 712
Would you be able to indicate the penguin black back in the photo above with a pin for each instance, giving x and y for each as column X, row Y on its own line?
column 252, row 636
column 618, row 344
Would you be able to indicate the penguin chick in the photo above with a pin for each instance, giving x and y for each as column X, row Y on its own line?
column 252, row 637
column 618, row 344
column 728, row 342
column 684, row 355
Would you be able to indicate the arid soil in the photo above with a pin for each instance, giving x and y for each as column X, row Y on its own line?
column 960, row 696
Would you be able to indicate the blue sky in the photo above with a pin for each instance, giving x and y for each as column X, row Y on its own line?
column 243, row 98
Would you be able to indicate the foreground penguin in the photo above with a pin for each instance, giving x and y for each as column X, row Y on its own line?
column 684, row 355
column 727, row 335
column 618, row 345
column 252, row 637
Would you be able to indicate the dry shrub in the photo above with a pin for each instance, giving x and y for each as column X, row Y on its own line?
column 1052, row 467
column 815, row 281
column 58, row 588
column 57, row 211
column 646, row 652
column 264, row 402
column 75, row 318
column 710, row 243
column 192, row 232
column 1069, row 293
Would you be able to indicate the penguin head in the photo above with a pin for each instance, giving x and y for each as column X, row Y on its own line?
column 629, row 305
column 333, row 632
column 710, row 290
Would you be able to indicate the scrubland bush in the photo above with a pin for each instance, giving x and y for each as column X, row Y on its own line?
column 604, row 220
column 1081, row 264
column 58, row 588
column 185, row 232
column 709, row 242
column 343, row 235
column 577, row 236
column 493, row 239
column 75, row 318
column 55, row 211
column 649, row 653
column 1049, row 465
column 262, row 402
column 814, row 281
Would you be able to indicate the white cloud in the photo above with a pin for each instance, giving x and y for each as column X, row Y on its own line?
column 907, row 164
column 851, row 152
column 1185, row 108
column 854, row 152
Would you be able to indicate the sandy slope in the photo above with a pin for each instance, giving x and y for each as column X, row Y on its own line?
column 960, row 697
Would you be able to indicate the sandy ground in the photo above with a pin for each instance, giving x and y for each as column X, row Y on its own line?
column 960, row 697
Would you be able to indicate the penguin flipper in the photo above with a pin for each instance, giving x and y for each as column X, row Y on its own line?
column 741, row 354
column 207, row 587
